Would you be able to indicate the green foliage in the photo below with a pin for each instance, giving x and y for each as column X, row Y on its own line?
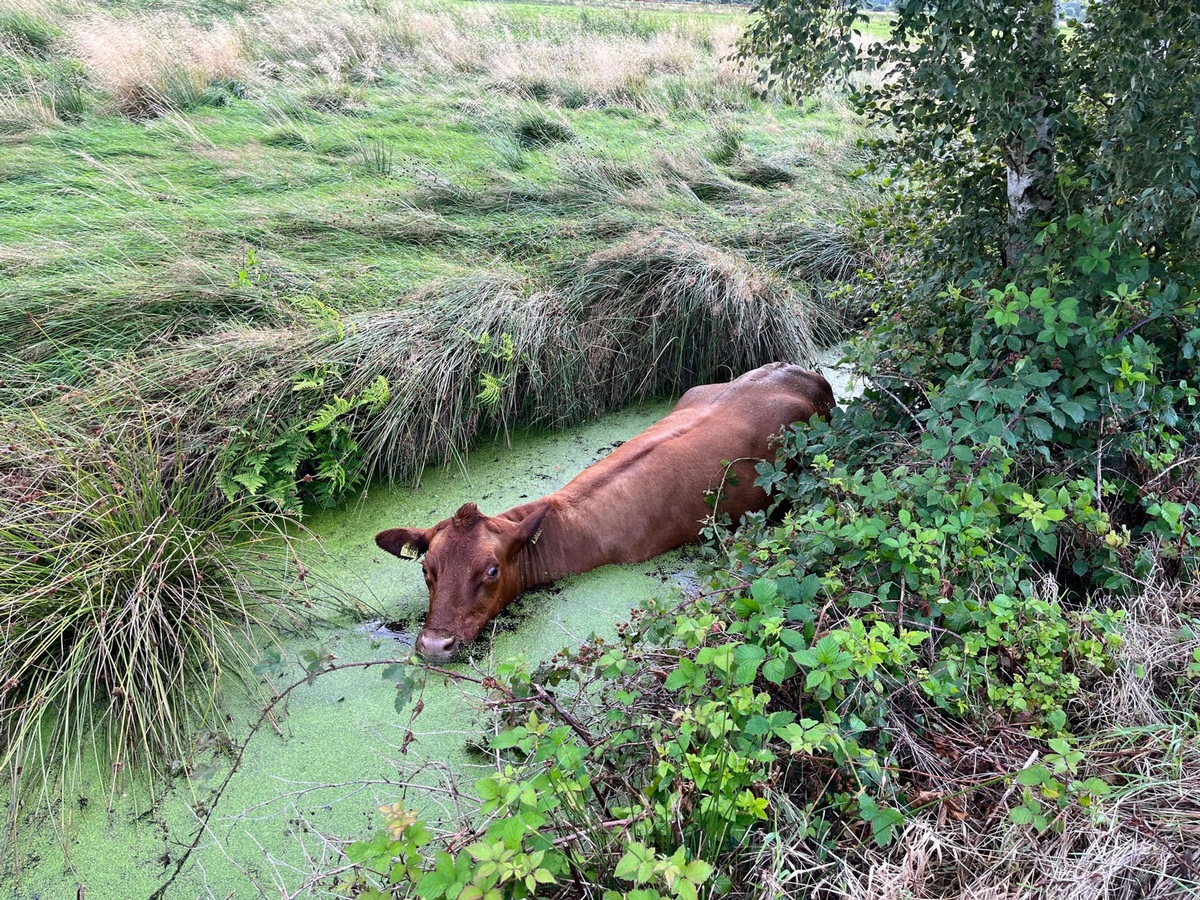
column 1051, row 786
column 1088, row 373
column 318, row 459
column 701, row 730
column 27, row 32
column 998, row 119
column 1138, row 68
column 501, row 354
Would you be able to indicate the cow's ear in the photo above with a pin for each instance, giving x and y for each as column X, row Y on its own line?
column 529, row 529
column 407, row 543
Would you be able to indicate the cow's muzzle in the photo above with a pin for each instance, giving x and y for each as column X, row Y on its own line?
column 437, row 646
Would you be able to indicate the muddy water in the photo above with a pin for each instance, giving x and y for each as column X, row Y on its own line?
column 319, row 773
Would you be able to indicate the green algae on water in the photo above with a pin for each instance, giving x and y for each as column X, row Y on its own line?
column 319, row 773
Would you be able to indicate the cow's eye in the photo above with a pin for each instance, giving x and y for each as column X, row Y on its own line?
column 493, row 571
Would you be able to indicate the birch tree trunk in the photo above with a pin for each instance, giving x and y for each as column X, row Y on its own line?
column 1029, row 155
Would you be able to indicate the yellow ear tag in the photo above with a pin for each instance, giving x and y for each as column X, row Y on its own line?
column 533, row 540
column 408, row 551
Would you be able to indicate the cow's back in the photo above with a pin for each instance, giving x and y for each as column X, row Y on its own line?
column 776, row 389
column 649, row 495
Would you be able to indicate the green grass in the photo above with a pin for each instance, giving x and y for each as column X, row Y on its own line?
column 114, row 207
column 127, row 590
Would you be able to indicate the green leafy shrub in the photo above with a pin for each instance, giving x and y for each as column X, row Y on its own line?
column 1082, row 381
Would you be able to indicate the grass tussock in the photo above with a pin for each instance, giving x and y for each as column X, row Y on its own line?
column 650, row 316
column 694, row 173
column 126, row 597
column 682, row 306
column 810, row 251
column 763, row 173
column 21, row 116
column 536, row 130
column 29, row 27
column 150, row 66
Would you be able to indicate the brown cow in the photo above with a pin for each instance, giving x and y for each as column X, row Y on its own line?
column 644, row 498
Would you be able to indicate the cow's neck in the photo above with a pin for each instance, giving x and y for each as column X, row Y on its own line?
column 563, row 546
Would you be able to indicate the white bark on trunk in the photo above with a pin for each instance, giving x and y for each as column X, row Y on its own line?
column 1031, row 163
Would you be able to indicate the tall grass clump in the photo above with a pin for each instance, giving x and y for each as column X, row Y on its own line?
column 812, row 251
column 20, row 115
column 28, row 29
column 149, row 67
column 295, row 414
column 651, row 316
column 376, row 157
column 821, row 254
column 535, row 130
column 665, row 311
column 127, row 597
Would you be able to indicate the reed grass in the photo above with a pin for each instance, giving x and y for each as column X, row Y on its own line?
column 128, row 599
column 649, row 317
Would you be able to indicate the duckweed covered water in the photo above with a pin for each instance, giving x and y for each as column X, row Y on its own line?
column 319, row 775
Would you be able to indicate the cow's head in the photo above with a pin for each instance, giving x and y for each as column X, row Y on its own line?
column 471, row 569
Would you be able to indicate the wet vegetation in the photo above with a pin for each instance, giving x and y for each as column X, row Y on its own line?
column 253, row 258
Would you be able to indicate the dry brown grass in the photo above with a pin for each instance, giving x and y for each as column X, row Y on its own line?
column 588, row 68
column 147, row 66
column 151, row 66
column 23, row 115
column 567, row 64
column 326, row 39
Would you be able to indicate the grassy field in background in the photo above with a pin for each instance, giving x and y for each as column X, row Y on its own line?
column 359, row 165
